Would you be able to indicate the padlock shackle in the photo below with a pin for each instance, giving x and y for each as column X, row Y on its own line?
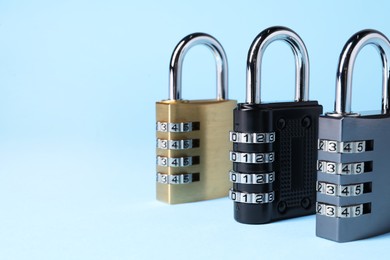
column 255, row 56
column 176, row 64
column 346, row 64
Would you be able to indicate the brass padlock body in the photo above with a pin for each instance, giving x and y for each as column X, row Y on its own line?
column 214, row 118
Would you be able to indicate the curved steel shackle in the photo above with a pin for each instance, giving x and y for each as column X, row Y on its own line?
column 346, row 63
column 255, row 56
column 176, row 64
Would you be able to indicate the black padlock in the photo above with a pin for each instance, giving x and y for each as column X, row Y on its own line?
column 274, row 144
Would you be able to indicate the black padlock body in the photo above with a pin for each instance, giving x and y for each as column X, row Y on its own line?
column 296, row 132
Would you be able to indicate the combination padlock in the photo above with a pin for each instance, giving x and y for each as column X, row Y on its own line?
column 353, row 155
column 274, row 144
column 192, row 135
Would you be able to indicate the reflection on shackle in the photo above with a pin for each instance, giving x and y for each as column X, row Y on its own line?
column 255, row 56
column 345, row 70
column 176, row 64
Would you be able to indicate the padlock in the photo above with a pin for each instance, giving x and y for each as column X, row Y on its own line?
column 353, row 150
column 192, row 135
column 274, row 144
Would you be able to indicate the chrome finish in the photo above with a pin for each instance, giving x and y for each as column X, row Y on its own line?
column 176, row 64
column 255, row 56
column 345, row 69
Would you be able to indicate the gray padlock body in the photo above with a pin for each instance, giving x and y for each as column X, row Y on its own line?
column 377, row 221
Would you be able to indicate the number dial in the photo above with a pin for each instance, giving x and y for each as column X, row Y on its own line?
column 176, row 144
column 251, row 198
column 174, row 179
column 342, row 147
column 339, row 212
column 252, row 138
column 251, row 178
column 340, row 168
column 256, row 158
column 175, row 162
column 340, row 190
column 180, row 127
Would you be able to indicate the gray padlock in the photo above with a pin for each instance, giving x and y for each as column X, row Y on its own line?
column 353, row 156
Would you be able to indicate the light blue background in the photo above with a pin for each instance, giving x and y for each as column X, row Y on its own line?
column 78, row 85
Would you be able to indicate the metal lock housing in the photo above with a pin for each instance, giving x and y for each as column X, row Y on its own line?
column 192, row 135
column 274, row 144
column 353, row 150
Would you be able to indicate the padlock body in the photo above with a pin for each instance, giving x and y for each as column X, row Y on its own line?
column 353, row 177
column 295, row 125
column 206, row 177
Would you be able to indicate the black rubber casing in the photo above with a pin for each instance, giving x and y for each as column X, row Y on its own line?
column 296, row 133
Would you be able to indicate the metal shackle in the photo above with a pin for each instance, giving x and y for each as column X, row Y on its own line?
column 255, row 56
column 345, row 68
column 176, row 64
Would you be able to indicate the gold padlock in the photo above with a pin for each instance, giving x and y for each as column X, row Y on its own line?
column 193, row 135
